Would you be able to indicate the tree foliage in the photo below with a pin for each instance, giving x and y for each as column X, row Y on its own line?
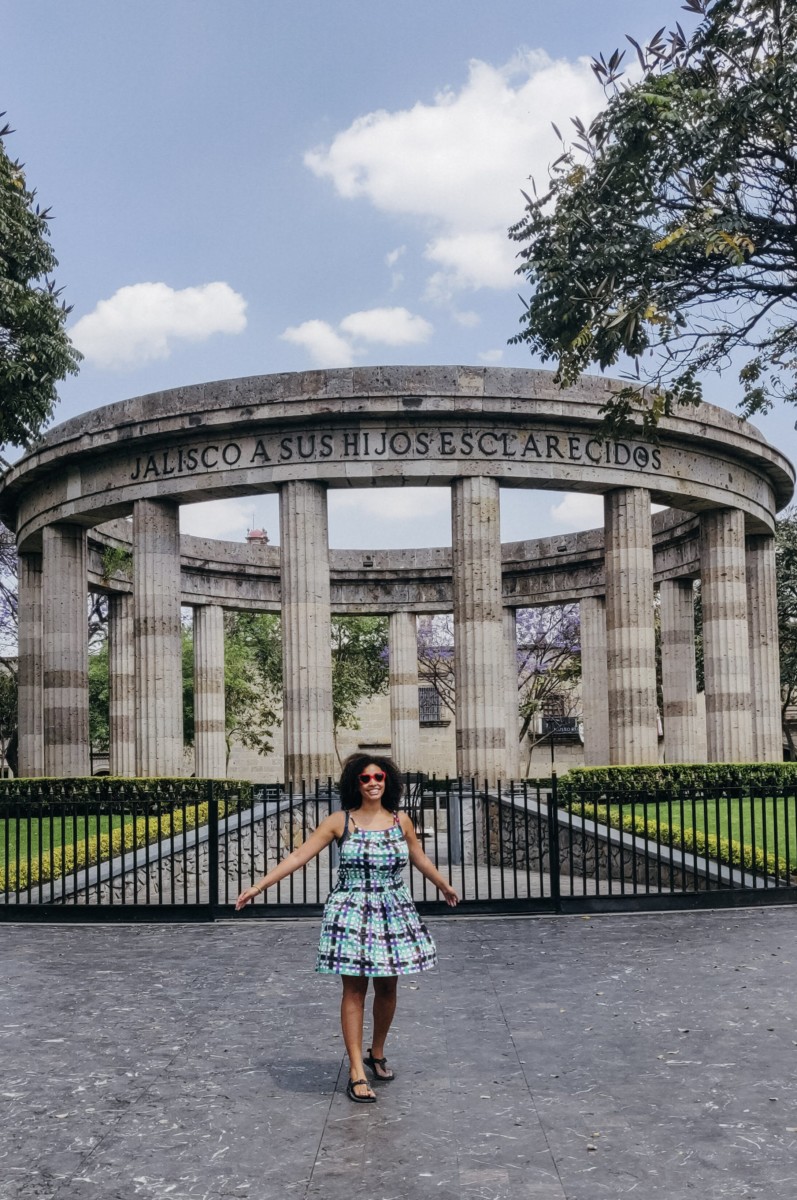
column 9, row 733
column 359, row 666
column 548, row 660
column 436, row 657
column 254, row 673
column 252, row 679
column 99, row 698
column 35, row 352
column 668, row 231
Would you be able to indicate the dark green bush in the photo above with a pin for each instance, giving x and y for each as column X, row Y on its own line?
column 107, row 793
column 596, row 782
column 163, row 808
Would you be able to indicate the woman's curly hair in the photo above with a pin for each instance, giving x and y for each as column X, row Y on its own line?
column 349, row 781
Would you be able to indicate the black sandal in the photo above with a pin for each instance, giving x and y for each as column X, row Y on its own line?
column 350, row 1092
column 372, row 1063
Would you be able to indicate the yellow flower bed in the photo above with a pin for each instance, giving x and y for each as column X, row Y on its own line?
column 63, row 861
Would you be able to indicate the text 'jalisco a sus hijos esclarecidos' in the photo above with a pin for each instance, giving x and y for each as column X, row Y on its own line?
column 341, row 445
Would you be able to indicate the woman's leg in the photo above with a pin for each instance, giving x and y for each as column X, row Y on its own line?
column 384, row 1008
column 352, row 1005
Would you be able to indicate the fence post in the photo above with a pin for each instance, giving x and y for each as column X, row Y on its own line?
column 454, row 816
column 213, row 845
column 553, row 843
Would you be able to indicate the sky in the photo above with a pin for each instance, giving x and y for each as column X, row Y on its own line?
column 241, row 187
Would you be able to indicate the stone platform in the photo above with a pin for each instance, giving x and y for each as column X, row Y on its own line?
column 565, row 1058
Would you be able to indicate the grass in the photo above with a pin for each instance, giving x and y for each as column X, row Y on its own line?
column 759, row 829
column 751, row 822
column 40, row 835
column 41, row 849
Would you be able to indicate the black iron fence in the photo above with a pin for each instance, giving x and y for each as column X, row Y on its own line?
column 110, row 848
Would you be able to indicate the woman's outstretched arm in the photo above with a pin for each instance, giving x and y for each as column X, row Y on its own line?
column 331, row 827
column 421, row 860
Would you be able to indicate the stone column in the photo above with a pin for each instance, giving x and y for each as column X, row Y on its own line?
column 513, row 763
column 210, row 745
column 66, row 652
column 726, row 651
column 122, row 685
column 630, row 640
column 678, row 675
column 405, row 739
column 594, row 681
column 306, row 633
column 158, row 642
column 762, row 613
column 29, row 674
column 478, row 630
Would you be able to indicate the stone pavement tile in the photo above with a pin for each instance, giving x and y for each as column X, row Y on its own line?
column 502, row 1147
column 403, row 1145
column 221, row 1137
column 647, row 1055
column 533, row 1041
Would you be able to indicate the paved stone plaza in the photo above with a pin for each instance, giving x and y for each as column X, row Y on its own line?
column 546, row 1059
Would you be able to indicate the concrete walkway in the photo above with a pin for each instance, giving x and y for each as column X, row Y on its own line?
column 546, row 1059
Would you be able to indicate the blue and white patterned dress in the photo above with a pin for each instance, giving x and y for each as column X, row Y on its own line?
column 370, row 924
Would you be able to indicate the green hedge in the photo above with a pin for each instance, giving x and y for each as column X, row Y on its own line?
column 770, row 778
column 695, row 841
column 100, row 790
column 181, row 802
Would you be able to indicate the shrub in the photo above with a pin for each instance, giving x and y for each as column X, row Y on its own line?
column 771, row 778
column 109, row 797
column 695, row 841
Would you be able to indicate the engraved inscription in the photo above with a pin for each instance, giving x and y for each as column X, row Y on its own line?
column 507, row 445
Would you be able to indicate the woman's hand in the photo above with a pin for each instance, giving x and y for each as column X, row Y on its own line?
column 246, row 895
column 449, row 895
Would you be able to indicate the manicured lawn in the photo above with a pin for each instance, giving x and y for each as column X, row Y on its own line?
column 39, row 836
column 763, row 823
column 41, row 848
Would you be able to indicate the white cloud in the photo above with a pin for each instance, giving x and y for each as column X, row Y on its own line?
column 491, row 356
column 467, row 319
column 321, row 342
column 140, row 323
column 396, row 277
column 340, row 347
column 459, row 162
column 578, row 510
column 226, row 519
column 389, row 517
column 388, row 326
column 471, row 260
column 390, row 503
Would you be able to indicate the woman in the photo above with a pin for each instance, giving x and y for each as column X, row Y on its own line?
column 371, row 928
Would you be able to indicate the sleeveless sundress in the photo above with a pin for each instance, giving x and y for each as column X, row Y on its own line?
column 370, row 924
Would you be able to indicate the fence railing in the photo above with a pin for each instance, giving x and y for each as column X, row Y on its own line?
column 100, row 847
